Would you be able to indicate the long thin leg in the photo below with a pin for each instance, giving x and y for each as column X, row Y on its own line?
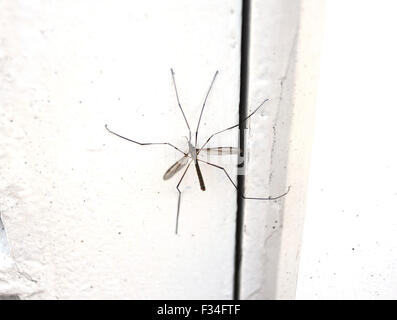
column 179, row 197
column 232, row 127
column 202, row 109
column 243, row 196
column 143, row 143
column 179, row 104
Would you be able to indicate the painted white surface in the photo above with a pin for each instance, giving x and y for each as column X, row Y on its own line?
column 285, row 43
column 92, row 216
column 349, row 244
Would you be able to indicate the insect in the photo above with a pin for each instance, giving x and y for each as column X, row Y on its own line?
column 192, row 156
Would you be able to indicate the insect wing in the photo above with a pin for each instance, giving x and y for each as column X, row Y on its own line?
column 175, row 168
column 222, row 150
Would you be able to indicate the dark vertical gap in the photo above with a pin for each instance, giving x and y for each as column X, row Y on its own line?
column 244, row 64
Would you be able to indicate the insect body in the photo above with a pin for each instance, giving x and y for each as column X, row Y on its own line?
column 192, row 156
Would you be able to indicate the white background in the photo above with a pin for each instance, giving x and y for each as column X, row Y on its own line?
column 349, row 244
column 284, row 55
column 87, row 215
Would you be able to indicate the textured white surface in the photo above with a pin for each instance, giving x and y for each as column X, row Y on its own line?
column 92, row 217
column 285, row 43
column 349, row 245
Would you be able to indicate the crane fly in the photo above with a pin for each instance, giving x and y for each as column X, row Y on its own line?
column 194, row 151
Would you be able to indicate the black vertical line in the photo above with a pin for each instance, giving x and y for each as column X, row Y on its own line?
column 244, row 64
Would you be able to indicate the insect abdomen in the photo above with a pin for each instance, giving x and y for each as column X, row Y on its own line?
column 200, row 177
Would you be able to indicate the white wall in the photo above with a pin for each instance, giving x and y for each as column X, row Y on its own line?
column 349, row 245
column 88, row 215
column 285, row 49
